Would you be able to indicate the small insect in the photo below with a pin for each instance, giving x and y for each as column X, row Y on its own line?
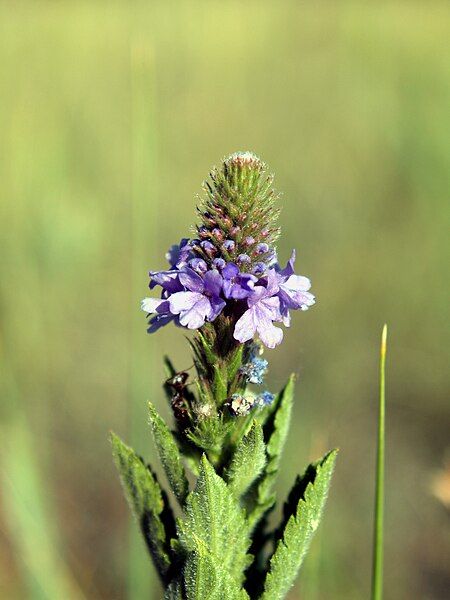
column 177, row 384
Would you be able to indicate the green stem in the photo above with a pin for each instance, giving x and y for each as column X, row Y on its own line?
column 377, row 573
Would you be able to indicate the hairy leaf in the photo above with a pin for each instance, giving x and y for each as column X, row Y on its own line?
column 248, row 461
column 208, row 349
column 214, row 536
column 145, row 499
column 235, row 362
column 170, row 455
column 205, row 577
column 220, row 387
column 306, row 501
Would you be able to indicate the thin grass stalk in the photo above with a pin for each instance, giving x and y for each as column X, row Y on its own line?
column 377, row 573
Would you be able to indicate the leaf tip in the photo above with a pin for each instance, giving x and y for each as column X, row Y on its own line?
column 383, row 347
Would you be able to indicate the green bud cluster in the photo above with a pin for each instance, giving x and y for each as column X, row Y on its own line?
column 238, row 212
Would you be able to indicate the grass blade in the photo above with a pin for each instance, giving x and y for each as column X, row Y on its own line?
column 377, row 572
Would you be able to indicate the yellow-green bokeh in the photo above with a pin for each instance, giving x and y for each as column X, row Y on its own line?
column 111, row 115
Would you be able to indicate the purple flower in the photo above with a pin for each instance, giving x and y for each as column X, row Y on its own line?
column 263, row 310
column 237, row 285
column 293, row 290
column 200, row 301
column 168, row 280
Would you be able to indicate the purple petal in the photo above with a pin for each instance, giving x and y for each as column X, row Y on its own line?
column 191, row 280
column 270, row 335
column 287, row 300
column 238, row 292
column 151, row 305
column 289, row 268
column 213, row 282
column 168, row 280
column 269, row 308
column 272, row 282
column 305, row 300
column 297, row 283
column 217, row 306
column 245, row 327
column 183, row 301
column 258, row 292
column 195, row 316
column 230, row 271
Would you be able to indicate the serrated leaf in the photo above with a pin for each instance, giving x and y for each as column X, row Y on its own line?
column 276, row 429
column 310, row 493
column 170, row 455
column 248, row 461
column 145, row 499
column 214, row 536
column 206, row 578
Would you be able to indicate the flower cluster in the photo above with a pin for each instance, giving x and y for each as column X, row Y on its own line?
column 194, row 292
column 231, row 266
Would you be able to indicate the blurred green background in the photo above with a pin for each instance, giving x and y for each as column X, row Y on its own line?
column 111, row 116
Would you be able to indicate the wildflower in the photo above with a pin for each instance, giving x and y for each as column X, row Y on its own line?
column 293, row 290
column 200, row 301
column 204, row 277
column 263, row 310
column 237, row 285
